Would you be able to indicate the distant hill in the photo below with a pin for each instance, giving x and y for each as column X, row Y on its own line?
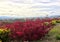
column 6, row 17
column 13, row 18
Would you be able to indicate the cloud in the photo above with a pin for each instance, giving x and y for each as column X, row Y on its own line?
column 22, row 1
column 29, row 8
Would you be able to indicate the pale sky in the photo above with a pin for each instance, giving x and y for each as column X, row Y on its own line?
column 29, row 8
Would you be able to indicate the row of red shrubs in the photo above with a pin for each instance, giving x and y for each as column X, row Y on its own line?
column 30, row 29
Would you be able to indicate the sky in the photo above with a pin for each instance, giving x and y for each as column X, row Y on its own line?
column 29, row 8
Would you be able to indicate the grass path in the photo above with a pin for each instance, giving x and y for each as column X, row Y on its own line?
column 52, row 34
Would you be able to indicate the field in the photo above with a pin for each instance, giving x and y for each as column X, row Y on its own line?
column 30, row 30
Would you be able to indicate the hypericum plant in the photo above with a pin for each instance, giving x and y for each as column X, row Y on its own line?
column 58, row 21
column 53, row 22
column 4, row 32
column 46, row 23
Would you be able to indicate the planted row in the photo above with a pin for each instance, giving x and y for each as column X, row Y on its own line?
column 30, row 30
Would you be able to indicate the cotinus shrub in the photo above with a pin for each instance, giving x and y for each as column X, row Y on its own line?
column 30, row 30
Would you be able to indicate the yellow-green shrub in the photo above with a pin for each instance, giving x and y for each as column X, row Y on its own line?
column 53, row 22
column 46, row 23
column 4, row 34
column 58, row 21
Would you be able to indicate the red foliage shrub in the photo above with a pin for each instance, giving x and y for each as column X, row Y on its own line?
column 30, row 29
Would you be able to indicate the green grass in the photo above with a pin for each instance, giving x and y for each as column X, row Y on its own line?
column 53, row 35
column 55, row 30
